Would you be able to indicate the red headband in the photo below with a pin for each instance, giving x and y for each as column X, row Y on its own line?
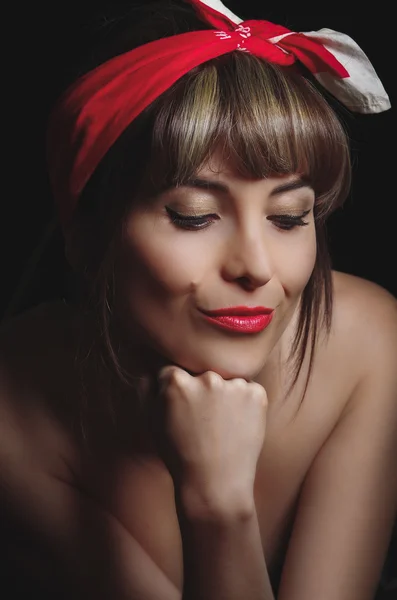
column 99, row 106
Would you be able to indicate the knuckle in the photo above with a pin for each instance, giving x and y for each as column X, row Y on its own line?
column 259, row 393
column 173, row 377
column 212, row 379
column 239, row 383
column 180, row 378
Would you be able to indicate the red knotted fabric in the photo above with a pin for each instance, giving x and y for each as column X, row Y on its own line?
column 99, row 106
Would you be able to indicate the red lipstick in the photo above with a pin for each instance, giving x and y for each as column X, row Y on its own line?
column 242, row 319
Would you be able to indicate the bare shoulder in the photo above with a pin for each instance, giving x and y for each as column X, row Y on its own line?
column 364, row 310
column 348, row 501
column 364, row 327
column 361, row 345
column 37, row 391
column 352, row 292
column 53, row 523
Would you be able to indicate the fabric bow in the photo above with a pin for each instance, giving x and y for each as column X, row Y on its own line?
column 99, row 106
column 351, row 77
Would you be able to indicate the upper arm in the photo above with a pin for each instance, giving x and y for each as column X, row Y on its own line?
column 348, row 502
column 73, row 543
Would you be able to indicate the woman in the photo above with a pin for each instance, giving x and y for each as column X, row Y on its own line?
column 207, row 417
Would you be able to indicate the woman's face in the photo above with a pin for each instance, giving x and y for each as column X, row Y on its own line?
column 219, row 241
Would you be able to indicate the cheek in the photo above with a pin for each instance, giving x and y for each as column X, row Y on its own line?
column 295, row 262
column 165, row 266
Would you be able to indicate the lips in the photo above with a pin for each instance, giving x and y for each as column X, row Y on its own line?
column 239, row 311
column 241, row 319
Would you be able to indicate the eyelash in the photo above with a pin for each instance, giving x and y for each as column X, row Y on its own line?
column 193, row 223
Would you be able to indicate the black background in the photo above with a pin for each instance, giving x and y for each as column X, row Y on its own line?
column 44, row 43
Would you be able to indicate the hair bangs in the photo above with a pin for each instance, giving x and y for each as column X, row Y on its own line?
column 265, row 120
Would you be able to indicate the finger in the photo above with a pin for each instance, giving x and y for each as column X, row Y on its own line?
column 166, row 373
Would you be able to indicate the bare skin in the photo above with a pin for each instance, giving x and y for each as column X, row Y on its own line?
column 117, row 508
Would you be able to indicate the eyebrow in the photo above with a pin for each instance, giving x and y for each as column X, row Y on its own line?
column 209, row 184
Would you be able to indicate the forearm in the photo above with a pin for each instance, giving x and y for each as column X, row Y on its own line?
column 223, row 557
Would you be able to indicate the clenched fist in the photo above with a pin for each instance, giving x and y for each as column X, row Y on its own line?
column 213, row 432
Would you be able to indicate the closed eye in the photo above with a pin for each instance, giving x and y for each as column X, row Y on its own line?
column 288, row 222
column 196, row 222
column 192, row 222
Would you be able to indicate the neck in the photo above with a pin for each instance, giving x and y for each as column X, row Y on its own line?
column 276, row 375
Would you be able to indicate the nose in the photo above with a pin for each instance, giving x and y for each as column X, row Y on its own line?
column 248, row 259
